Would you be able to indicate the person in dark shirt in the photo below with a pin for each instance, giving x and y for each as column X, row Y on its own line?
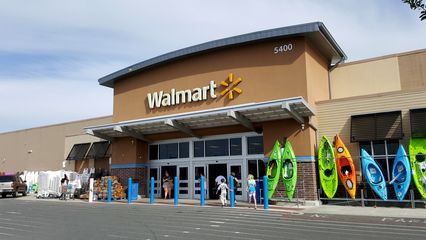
column 64, row 186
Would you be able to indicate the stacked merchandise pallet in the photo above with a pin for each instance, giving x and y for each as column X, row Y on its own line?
column 101, row 188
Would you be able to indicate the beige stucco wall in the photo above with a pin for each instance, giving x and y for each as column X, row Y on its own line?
column 317, row 88
column 41, row 148
column 365, row 77
column 412, row 69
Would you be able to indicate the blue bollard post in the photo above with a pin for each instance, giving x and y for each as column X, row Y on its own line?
column 151, row 191
column 109, row 189
column 202, row 191
column 176, row 191
column 129, row 191
column 232, row 194
column 265, row 192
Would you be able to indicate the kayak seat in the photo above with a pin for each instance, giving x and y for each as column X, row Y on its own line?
column 328, row 172
column 346, row 170
column 420, row 157
column 288, row 168
column 272, row 170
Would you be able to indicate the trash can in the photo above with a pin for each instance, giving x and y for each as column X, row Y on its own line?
column 135, row 191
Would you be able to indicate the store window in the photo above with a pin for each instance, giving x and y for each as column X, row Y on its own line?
column 153, row 152
column 418, row 122
column 235, row 146
column 255, row 145
column 199, row 149
column 168, row 151
column 383, row 152
column 256, row 168
column 184, row 150
column 219, row 147
column 376, row 126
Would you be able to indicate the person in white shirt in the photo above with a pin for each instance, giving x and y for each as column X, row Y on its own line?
column 223, row 187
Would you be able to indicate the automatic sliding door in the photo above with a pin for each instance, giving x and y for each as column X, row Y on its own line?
column 199, row 170
column 236, row 169
column 153, row 172
column 183, row 182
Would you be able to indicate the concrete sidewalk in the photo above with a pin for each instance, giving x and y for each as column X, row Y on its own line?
column 216, row 202
column 389, row 212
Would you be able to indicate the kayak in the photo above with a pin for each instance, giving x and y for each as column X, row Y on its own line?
column 327, row 168
column 374, row 175
column 289, row 170
column 417, row 152
column 273, row 169
column 401, row 173
column 345, row 167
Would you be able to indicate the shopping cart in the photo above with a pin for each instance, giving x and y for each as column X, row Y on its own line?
column 70, row 191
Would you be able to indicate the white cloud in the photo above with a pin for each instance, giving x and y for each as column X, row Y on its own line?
column 36, row 102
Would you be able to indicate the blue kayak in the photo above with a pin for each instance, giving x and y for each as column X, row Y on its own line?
column 401, row 173
column 374, row 175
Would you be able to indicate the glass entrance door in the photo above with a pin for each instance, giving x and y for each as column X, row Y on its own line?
column 153, row 172
column 216, row 171
column 199, row 170
column 236, row 169
column 183, row 182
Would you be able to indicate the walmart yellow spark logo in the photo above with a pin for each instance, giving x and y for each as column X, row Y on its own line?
column 231, row 86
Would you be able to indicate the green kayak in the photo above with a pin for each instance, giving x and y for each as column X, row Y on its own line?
column 273, row 169
column 417, row 152
column 327, row 168
column 289, row 170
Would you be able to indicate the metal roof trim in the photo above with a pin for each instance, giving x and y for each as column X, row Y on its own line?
column 203, row 113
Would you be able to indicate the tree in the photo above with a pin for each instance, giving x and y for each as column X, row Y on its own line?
column 417, row 5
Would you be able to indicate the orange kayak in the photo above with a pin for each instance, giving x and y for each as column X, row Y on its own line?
column 345, row 167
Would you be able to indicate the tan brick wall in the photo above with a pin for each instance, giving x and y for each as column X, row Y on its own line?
column 306, row 187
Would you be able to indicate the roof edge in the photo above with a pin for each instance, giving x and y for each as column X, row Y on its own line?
column 294, row 30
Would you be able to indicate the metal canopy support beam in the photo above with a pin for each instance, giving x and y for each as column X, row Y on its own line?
column 241, row 119
column 179, row 126
column 132, row 133
column 294, row 115
column 99, row 135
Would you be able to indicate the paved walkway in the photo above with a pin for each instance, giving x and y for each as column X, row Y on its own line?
column 390, row 212
column 393, row 212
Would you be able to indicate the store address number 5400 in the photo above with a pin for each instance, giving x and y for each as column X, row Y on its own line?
column 283, row 48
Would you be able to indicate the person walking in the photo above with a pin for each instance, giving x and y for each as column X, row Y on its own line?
column 251, row 189
column 167, row 185
column 223, row 187
column 218, row 181
column 64, row 187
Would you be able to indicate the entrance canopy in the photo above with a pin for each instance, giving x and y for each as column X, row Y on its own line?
column 246, row 114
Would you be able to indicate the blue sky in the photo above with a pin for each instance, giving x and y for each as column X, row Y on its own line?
column 53, row 52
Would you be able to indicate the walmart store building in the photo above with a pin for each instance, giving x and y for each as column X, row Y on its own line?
column 218, row 107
